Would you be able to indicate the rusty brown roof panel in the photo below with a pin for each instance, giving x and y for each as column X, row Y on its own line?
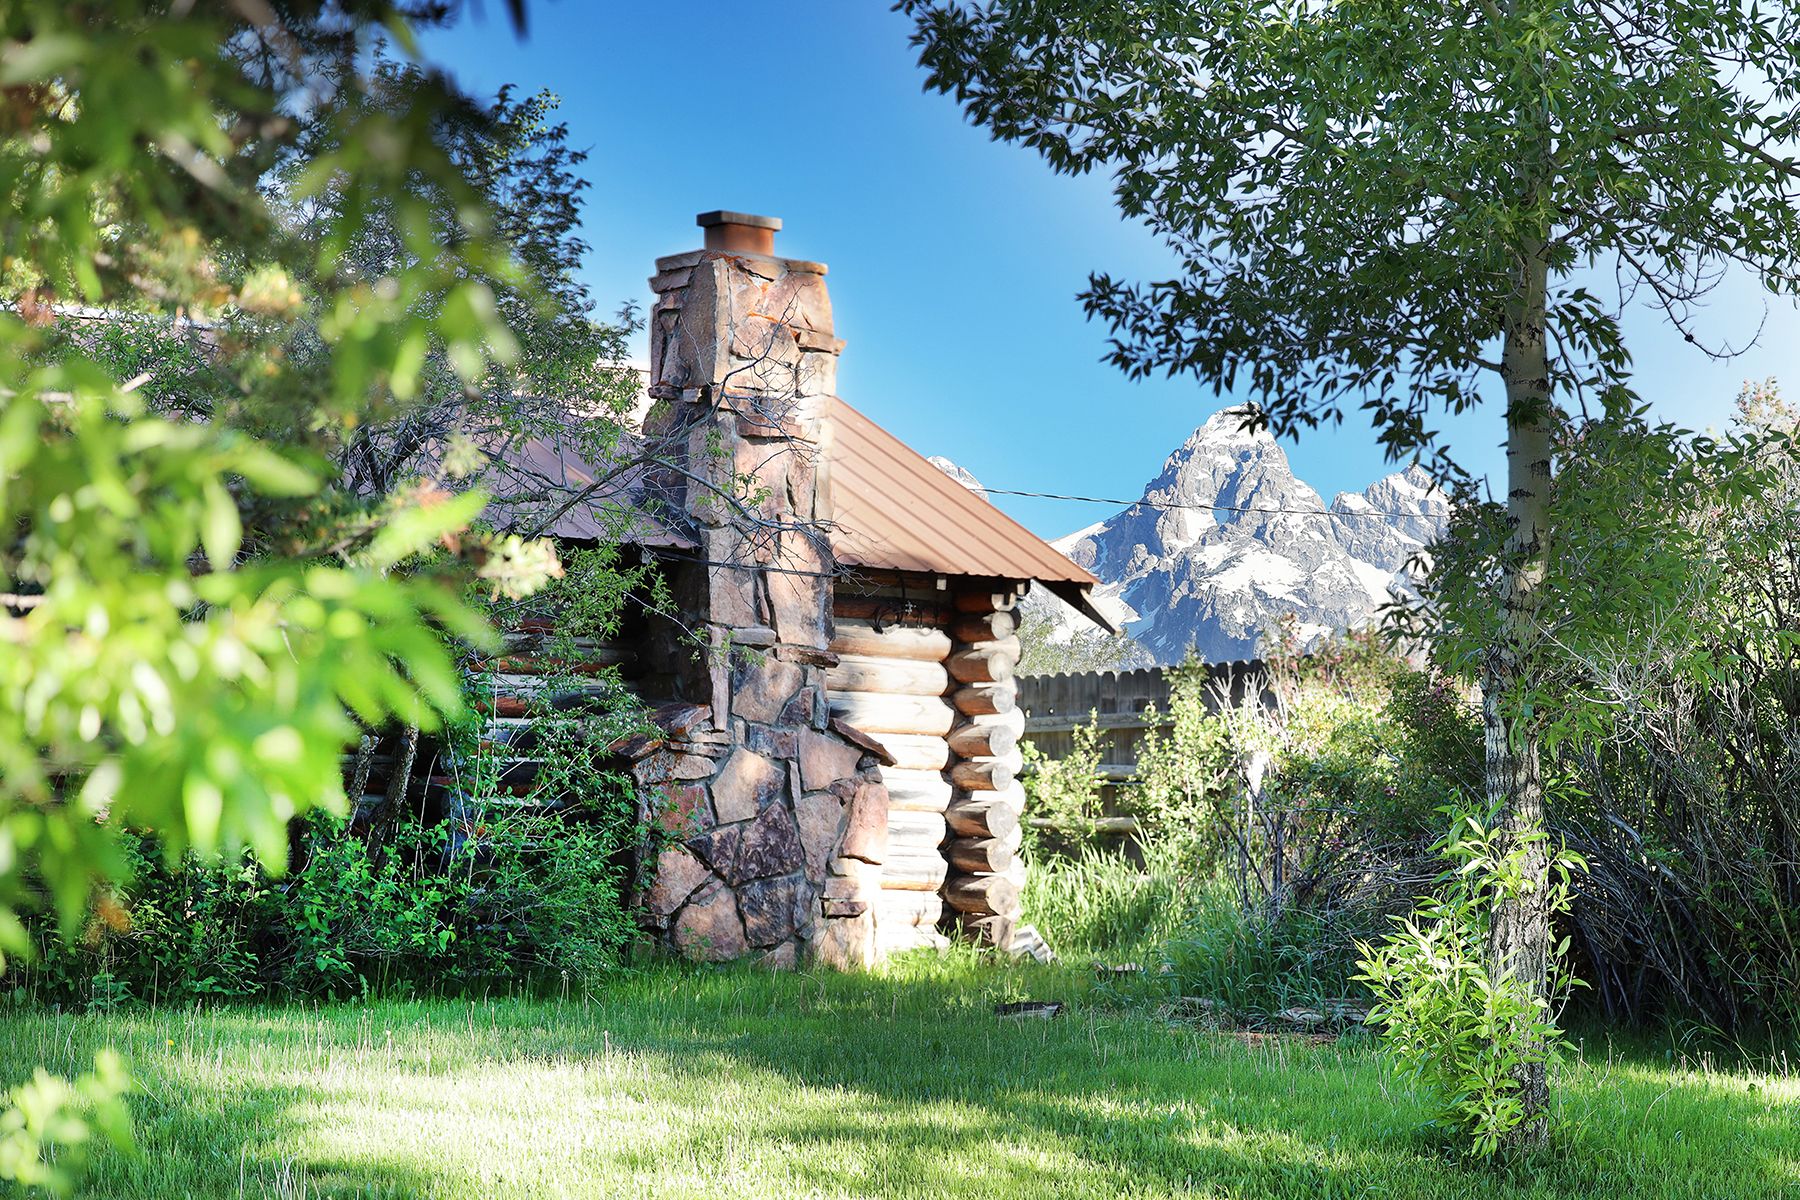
column 895, row 511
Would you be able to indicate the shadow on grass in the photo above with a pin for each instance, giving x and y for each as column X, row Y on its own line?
column 734, row 1083
column 237, row 1143
column 1134, row 1105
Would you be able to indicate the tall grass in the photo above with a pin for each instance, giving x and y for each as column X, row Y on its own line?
column 1099, row 902
column 1254, row 964
column 1172, row 911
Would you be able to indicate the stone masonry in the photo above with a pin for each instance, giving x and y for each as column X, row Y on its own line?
column 777, row 814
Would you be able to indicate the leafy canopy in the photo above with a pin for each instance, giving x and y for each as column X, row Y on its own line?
column 1668, row 560
column 1349, row 188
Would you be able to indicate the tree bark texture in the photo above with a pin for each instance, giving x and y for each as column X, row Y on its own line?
column 1519, row 940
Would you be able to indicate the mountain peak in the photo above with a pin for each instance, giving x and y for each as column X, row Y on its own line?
column 959, row 473
column 1227, row 541
column 1230, row 425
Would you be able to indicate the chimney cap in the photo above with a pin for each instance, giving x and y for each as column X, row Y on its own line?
column 739, row 233
column 724, row 216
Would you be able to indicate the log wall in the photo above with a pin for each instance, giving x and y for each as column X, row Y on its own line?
column 986, row 874
column 892, row 682
column 928, row 671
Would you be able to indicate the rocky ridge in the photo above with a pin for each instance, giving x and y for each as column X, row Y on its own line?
column 1227, row 541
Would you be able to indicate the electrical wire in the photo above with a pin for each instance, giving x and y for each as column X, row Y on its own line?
column 1178, row 504
column 1144, row 503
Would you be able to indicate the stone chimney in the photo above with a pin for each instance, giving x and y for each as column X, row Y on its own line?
column 782, row 816
column 742, row 360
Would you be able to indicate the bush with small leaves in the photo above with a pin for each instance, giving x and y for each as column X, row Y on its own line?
column 1449, row 1021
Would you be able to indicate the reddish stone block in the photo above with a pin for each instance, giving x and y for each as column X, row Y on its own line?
column 784, row 957
column 709, row 927
column 821, row 819
column 745, row 785
column 634, row 746
column 762, row 687
column 665, row 765
column 771, row 846
column 680, row 720
column 847, row 943
column 683, row 811
column 678, row 875
column 719, row 849
column 825, row 759
column 866, row 833
column 770, row 908
column 862, row 741
column 771, row 742
column 797, row 711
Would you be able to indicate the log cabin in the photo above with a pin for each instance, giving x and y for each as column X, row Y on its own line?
column 837, row 720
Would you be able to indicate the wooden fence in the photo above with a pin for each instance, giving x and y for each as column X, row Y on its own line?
column 1054, row 705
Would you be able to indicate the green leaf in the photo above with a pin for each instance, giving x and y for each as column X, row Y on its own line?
column 415, row 529
column 222, row 531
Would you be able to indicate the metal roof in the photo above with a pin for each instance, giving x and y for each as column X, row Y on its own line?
column 893, row 510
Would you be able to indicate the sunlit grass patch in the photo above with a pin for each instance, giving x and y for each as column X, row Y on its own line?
column 737, row 1084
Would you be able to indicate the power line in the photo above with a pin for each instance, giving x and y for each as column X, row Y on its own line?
column 1165, row 504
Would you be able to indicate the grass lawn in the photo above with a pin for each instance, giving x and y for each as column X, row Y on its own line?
column 684, row 1083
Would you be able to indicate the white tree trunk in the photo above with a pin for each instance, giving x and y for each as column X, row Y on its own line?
column 1520, row 937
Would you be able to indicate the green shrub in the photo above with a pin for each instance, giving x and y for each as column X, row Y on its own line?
column 476, row 888
column 1448, row 1020
column 1186, row 771
column 1256, row 885
column 521, row 899
column 1062, row 795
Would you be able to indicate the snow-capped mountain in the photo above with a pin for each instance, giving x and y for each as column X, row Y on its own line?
column 1226, row 542
column 1392, row 519
column 959, row 473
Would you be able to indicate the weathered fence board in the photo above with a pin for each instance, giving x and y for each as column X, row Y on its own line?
column 1115, row 701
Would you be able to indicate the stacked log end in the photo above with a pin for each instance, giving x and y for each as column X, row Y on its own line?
column 933, row 682
column 984, row 818
column 891, row 682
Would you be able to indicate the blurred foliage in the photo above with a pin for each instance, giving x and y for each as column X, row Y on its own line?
column 467, row 881
column 50, row 1124
column 195, row 616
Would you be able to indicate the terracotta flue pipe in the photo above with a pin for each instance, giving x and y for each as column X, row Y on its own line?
column 739, row 233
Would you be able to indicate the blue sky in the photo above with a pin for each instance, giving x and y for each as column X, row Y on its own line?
column 954, row 260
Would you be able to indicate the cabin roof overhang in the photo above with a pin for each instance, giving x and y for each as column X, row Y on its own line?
column 893, row 510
